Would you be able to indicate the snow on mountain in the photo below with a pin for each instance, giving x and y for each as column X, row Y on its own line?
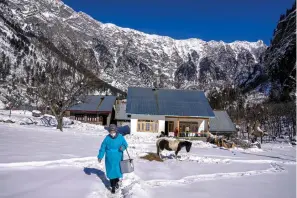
column 277, row 77
column 125, row 57
column 280, row 58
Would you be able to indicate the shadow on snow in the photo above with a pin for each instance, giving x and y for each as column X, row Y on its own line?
column 100, row 174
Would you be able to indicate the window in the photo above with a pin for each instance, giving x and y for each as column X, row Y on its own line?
column 147, row 126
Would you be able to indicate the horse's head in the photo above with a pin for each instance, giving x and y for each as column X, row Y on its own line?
column 188, row 146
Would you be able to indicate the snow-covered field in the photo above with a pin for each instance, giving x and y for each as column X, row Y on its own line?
column 38, row 161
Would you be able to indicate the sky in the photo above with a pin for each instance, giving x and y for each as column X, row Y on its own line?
column 226, row 20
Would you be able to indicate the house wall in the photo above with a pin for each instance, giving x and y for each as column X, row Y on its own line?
column 121, row 117
column 120, row 110
column 201, row 125
column 67, row 113
column 133, row 127
column 136, row 117
column 161, row 126
column 84, row 118
column 147, row 117
column 206, row 126
column 108, row 119
column 202, row 122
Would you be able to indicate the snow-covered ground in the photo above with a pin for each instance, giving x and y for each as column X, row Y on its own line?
column 21, row 117
column 38, row 161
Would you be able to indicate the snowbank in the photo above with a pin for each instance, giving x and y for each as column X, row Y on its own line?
column 142, row 137
column 46, row 120
column 248, row 150
column 201, row 144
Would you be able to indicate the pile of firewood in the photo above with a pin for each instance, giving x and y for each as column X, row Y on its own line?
column 221, row 141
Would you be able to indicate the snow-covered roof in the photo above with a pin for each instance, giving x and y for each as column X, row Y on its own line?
column 95, row 104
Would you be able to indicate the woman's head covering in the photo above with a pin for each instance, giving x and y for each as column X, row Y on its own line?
column 112, row 127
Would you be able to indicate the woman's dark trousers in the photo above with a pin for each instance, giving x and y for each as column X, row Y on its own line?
column 114, row 184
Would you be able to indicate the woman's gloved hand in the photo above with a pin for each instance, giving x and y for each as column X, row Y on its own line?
column 99, row 160
column 121, row 148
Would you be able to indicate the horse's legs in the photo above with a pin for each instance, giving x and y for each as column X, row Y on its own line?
column 176, row 152
column 159, row 152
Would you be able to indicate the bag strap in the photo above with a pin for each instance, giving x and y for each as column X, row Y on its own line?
column 128, row 152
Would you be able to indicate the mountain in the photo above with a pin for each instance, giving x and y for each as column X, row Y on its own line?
column 280, row 58
column 124, row 57
column 276, row 72
column 121, row 57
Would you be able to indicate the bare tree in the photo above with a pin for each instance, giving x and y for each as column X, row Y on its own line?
column 60, row 87
column 12, row 97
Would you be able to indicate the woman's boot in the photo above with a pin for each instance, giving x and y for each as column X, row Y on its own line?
column 112, row 184
column 113, row 190
column 117, row 184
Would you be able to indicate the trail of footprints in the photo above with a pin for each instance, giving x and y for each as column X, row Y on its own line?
column 132, row 181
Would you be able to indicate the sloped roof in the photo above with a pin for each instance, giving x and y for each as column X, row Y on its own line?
column 221, row 123
column 167, row 102
column 95, row 103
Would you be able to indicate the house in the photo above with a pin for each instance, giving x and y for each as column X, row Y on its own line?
column 94, row 109
column 157, row 110
column 222, row 124
column 121, row 117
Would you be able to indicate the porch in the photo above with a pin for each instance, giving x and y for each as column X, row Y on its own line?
column 195, row 125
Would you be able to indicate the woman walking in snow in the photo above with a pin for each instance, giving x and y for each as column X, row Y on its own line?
column 112, row 147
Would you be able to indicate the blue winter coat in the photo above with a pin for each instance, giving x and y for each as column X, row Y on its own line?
column 113, row 155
